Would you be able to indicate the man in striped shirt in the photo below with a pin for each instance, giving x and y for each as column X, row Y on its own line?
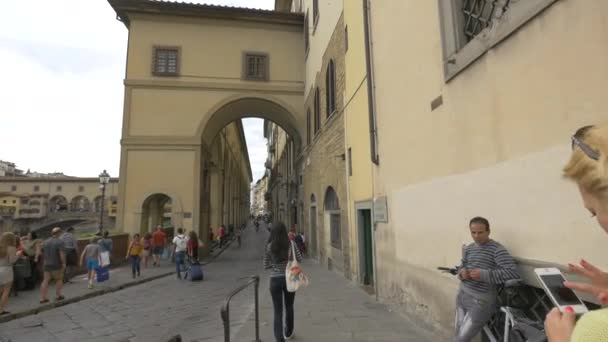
column 485, row 264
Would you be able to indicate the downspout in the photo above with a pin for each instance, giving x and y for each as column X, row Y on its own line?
column 373, row 131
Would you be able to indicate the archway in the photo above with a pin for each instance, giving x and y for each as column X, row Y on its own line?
column 97, row 204
column 313, row 226
column 57, row 204
column 224, row 189
column 332, row 211
column 156, row 209
column 80, row 204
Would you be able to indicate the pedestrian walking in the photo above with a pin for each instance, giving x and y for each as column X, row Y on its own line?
column 8, row 256
column 221, row 233
column 180, row 244
column 53, row 252
column 105, row 248
column 91, row 254
column 134, row 253
column 275, row 258
column 192, row 246
column 71, row 252
column 147, row 248
column 159, row 240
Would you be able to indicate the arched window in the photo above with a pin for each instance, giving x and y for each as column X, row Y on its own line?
column 330, row 87
column 317, row 111
column 332, row 208
column 308, row 127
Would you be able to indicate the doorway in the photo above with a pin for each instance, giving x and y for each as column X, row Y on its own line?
column 366, row 246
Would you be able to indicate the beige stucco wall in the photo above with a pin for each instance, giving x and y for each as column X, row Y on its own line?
column 494, row 148
column 356, row 123
column 170, row 123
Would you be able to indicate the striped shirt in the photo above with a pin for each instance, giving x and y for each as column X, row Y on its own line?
column 278, row 266
column 496, row 265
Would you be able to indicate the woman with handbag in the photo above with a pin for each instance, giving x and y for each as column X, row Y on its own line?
column 279, row 251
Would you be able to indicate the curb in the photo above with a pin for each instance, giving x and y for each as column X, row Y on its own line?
column 99, row 292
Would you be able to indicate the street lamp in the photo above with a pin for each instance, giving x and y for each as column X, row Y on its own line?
column 104, row 178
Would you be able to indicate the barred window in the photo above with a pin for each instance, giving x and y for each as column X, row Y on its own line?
column 471, row 27
column 166, row 61
column 308, row 118
column 255, row 66
column 13, row 188
column 80, row 188
column 59, row 188
column 36, row 188
column 478, row 14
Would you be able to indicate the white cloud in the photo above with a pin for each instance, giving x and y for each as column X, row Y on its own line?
column 62, row 85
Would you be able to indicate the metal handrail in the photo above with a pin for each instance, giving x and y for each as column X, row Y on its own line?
column 225, row 313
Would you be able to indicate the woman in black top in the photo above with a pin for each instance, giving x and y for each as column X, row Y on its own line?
column 276, row 257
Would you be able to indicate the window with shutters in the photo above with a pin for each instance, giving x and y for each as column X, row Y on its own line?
column 317, row 111
column 306, row 35
column 330, row 88
column 255, row 66
column 308, row 118
column 166, row 61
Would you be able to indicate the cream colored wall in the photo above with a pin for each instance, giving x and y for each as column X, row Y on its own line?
column 356, row 121
column 494, row 148
column 147, row 172
column 329, row 14
column 212, row 49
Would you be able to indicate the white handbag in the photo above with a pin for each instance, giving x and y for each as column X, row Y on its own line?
column 105, row 259
column 294, row 277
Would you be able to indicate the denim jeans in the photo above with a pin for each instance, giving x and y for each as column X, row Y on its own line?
column 471, row 315
column 278, row 291
column 179, row 261
column 135, row 260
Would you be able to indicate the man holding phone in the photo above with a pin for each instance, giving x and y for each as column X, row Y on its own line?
column 485, row 264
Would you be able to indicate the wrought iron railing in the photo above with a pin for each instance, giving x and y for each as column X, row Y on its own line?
column 225, row 313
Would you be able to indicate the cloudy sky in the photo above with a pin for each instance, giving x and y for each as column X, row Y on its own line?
column 61, row 88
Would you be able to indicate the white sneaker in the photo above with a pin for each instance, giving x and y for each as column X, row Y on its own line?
column 289, row 337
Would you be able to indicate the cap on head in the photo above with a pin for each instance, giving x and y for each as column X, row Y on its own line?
column 56, row 231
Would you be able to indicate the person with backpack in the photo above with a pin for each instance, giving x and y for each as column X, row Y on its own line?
column 278, row 252
column 180, row 244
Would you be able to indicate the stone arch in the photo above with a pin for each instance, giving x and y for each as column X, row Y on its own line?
column 331, row 206
column 153, row 211
column 97, row 204
column 250, row 105
column 80, row 203
column 58, row 203
column 331, row 201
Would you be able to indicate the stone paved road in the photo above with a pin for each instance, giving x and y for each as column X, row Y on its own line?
column 332, row 309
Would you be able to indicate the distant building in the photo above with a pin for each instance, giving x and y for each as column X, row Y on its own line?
column 8, row 169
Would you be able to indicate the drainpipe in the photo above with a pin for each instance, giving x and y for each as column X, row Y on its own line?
column 373, row 132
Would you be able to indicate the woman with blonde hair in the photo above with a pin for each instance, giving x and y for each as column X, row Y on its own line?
column 8, row 256
column 588, row 168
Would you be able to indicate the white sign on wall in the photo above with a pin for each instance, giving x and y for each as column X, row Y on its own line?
column 380, row 209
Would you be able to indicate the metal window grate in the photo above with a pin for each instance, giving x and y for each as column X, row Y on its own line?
column 165, row 61
column 478, row 15
column 256, row 67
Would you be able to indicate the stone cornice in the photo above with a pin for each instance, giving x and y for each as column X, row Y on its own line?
column 124, row 8
column 296, row 88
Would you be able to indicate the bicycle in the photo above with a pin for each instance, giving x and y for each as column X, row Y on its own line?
column 512, row 303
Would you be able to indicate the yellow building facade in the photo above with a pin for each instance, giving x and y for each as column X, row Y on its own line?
column 193, row 71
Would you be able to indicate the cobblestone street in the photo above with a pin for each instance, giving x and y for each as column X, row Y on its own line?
column 331, row 309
